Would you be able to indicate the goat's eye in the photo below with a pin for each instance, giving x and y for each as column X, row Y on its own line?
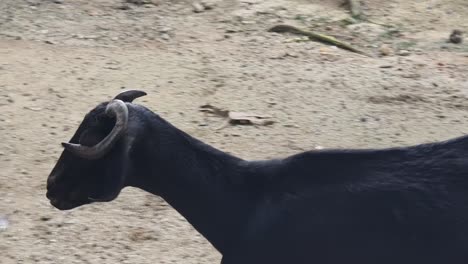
column 91, row 137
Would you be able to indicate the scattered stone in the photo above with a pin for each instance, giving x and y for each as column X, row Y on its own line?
column 291, row 54
column 94, row 12
column 278, row 55
column 386, row 50
column 45, row 218
column 33, row 2
column 208, row 5
column 141, row 235
column 80, row 36
column 114, row 68
column 32, row 108
column 411, row 75
column 456, row 37
column 165, row 30
column 50, row 42
column 3, row 223
column 248, row 22
column 123, row 7
column 165, row 36
column 198, row 7
column 291, row 125
column 403, row 53
column 349, row 21
column 386, row 66
column 371, row 31
column 141, row 2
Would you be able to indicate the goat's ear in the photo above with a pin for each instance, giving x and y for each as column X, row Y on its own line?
column 130, row 95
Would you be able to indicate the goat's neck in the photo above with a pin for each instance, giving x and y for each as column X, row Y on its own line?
column 198, row 181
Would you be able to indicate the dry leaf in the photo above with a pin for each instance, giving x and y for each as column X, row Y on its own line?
column 237, row 118
column 214, row 110
column 32, row 108
column 240, row 118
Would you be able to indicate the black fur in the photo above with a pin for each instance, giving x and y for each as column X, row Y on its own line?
column 399, row 205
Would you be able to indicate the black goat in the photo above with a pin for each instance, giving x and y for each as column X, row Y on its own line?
column 398, row 205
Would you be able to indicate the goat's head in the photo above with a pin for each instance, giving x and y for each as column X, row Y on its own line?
column 93, row 166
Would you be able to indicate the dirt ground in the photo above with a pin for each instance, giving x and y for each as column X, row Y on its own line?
column 59, row 58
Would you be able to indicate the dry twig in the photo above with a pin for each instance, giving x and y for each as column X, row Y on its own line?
column 316, row 37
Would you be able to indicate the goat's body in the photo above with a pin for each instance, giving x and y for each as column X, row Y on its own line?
column 398, row 205
column 402, row 205
column 391, row 206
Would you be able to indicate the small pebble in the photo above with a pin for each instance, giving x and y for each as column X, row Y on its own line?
column 165, row 29
column 403, row 53
column 3, row 223
column 456, row 37
column 45, row 218
column 385, row 50
column 386, row 66
column 198, row 7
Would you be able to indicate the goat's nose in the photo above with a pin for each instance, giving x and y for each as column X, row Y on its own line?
column 54, row 175
column 50, row 183
column 52, row 191
column 48, row 195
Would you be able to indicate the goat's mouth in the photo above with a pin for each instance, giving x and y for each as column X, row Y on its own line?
column 62, row 204
column 66, row 203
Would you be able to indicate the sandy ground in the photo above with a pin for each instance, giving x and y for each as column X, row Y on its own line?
column 58, row 59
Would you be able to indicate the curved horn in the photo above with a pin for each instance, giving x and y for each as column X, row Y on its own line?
column 115, row 108
column 130, row 95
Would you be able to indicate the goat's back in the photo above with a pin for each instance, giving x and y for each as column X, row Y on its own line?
column 400, row 205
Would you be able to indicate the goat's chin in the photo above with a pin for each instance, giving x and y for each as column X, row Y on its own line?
column 106, row 197
column 67, row 205
column 101, row 200
column 77, row 199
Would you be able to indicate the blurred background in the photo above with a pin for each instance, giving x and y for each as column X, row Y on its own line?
column 60, row 58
